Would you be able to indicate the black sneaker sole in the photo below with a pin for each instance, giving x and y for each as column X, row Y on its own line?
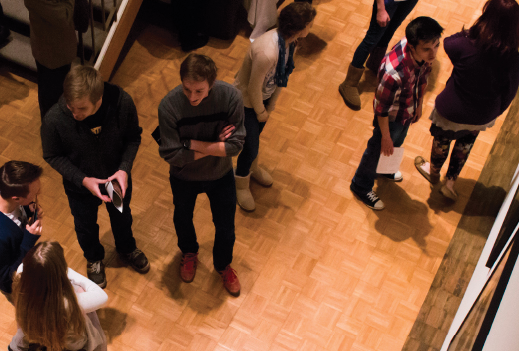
column 142, row 270
column 102, row 285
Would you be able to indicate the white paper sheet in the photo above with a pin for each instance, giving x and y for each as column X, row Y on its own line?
column 116, row 199
column 390, row 164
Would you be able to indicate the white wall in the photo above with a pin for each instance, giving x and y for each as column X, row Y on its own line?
column 482, row 273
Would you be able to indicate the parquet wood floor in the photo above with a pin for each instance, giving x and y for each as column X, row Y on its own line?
column 319, row 270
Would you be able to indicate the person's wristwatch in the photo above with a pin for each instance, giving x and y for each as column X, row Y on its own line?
column 187, row 144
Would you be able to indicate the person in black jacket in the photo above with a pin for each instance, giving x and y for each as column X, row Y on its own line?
column 20, row 228
column 91, row 137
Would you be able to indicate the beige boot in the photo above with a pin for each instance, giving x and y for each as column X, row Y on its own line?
column 243, row 194
column 260, row 175
column 349, row 88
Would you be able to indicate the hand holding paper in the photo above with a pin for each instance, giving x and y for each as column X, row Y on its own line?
column 122, row 178
column 390, row 164
column 114, row 191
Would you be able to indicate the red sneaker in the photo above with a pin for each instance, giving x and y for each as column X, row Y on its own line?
column 188, row 267
column 231, row 281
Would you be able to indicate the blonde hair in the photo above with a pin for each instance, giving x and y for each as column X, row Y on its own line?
column 83, row 81
column 45, row 301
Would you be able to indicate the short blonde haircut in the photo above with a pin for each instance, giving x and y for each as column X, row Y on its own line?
column 83, row 81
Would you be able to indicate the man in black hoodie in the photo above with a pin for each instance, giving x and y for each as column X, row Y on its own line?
column 91, row 137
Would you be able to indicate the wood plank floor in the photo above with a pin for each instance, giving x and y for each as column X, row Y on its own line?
column 319, row 270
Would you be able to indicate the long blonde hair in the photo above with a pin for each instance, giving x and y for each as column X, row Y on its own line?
column 45, row 301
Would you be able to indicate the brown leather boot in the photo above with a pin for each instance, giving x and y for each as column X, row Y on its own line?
column 349, row 88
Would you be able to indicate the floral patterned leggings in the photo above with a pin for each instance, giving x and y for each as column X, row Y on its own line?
column 460, row 153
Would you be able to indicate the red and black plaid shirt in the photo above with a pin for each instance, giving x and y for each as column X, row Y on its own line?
column 402, row 84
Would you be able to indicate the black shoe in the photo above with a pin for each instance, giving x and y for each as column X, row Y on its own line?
column 96, row 273
column 138, row 260
column 370, row 199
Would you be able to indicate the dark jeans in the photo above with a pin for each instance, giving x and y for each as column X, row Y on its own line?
column 50, row 86
column 84, row 209
column 366, row 173
column 381, row 36
column 253, row 128
column 222, row 199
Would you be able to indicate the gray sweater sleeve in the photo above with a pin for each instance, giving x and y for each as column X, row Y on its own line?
column 171, row 148
column 234, row 144
column 54, row 153
column 132, row 137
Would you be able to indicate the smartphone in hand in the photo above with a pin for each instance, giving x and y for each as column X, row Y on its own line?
column 34, row 216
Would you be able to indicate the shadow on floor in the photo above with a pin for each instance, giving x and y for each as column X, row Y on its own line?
column 13, row 89
column 113, row 322
column 403, row 218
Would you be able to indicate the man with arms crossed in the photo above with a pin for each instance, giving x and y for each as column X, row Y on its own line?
column 91, row 136
column 201, row 128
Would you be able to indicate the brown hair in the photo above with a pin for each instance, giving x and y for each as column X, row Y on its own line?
column 15, row 177
column 83, row 81
column 46, row 305
column 498, row 27
column 198, row 67
column 294, row 18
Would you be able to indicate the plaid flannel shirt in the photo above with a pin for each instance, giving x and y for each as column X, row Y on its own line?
column 402, row 85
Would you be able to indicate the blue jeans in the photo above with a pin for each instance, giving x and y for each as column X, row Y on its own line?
column 253, row 128
column 222, row 199
column 366, row 173
column 378, row 36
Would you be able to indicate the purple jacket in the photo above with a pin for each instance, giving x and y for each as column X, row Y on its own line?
column 482, row 84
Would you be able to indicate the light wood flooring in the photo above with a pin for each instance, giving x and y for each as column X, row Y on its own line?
column 319, row 270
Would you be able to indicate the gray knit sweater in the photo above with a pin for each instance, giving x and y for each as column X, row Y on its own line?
column 178, row 121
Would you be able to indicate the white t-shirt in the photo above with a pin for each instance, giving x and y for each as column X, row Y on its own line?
column 19, row 216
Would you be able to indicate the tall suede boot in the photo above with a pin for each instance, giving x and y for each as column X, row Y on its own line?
column 349, row 88
column 243, row 194
column 260, row 175
column 375, row 58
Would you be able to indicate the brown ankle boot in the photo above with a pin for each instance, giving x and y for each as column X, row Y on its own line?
column 349, row 88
